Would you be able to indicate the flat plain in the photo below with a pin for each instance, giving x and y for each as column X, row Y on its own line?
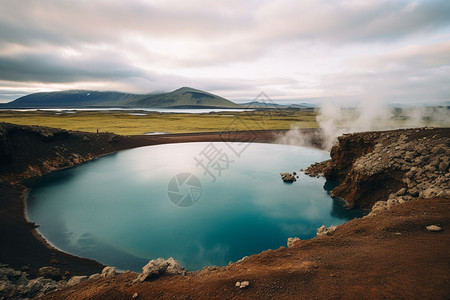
column 139, row 122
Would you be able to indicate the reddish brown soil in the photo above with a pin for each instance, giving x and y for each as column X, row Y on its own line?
column 390, row 256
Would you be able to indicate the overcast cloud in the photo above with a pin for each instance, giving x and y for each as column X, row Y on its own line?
column 390, row 51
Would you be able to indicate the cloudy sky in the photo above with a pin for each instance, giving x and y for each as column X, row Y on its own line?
column 293, row 50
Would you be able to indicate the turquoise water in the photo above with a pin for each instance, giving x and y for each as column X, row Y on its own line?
column 117, row 209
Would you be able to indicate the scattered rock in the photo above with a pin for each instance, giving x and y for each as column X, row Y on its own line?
column 431, row 192
column 415, row 164
column 50, row 272
column 14, row 284
column 158, row 267
column 34, row 286
column 288, row 177
column 108, row 272
column 242, row 284
column 291, row 241
column 434, row 228
column 401, row 192
column 135, row 295
column 76, row 280
column 95, row 276
column 443, row 166
column 175, row 268
column 322, row 230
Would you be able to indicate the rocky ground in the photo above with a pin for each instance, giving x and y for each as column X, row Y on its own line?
column 396, row 165
column 400, row 250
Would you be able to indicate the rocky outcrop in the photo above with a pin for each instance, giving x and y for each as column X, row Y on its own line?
column 242, row 284
column 53, row 149
column 108, row 272
column 159, row 267
column 392, row 167
column 322, row 230
column 291, row 241
column 434, row 228
column 16, row 284
column 288, row 177
column 50, row 272
column 76, row 280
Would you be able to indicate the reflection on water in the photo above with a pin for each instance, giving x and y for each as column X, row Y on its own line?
column 116, row 209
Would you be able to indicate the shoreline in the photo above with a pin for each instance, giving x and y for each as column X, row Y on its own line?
column 28, row 250
column 382, row 255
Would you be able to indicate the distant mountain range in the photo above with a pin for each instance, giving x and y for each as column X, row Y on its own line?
column 184, row 97
column 257, row 104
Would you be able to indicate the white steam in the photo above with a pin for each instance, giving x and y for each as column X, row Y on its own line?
column 335, row 120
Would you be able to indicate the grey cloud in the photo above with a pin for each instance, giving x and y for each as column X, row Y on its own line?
column 402, row 85
column 419, row 73
column 97, row 21
column 262, row 23
column 224, row 32
column 419, row 57
column 353, row 22
column 54, row 69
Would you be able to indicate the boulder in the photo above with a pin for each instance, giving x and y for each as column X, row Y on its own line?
column 22, row 280
column 6, row 288
column 430, row 192
column 409, row 156
column 438, row 149
column 76, row 280
column 108, row 272
column 153, row 269
column 158, row 267
column 50, row 272
column 9, row 273
column 401, row 192
column 434, row 228
column 322, row 230
column 175, row 268
column 291, row 241
column 50, row 286
column 379, row 206
column 287, row 177
column 34, row 286
column 242, row 284
column 95, row 276
column 443, row 166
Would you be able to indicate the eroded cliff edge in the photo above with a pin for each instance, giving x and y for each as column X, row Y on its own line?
column 394, row 165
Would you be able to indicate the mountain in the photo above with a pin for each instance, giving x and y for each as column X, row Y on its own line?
column 182, row 98
column 265, row 105
column 257, row 104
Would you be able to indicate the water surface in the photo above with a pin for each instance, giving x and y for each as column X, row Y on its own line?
column 117, row 209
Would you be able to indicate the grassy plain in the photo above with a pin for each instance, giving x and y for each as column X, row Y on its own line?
column 128, row 123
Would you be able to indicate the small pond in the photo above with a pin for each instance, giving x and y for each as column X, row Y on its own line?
column 200, row 203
